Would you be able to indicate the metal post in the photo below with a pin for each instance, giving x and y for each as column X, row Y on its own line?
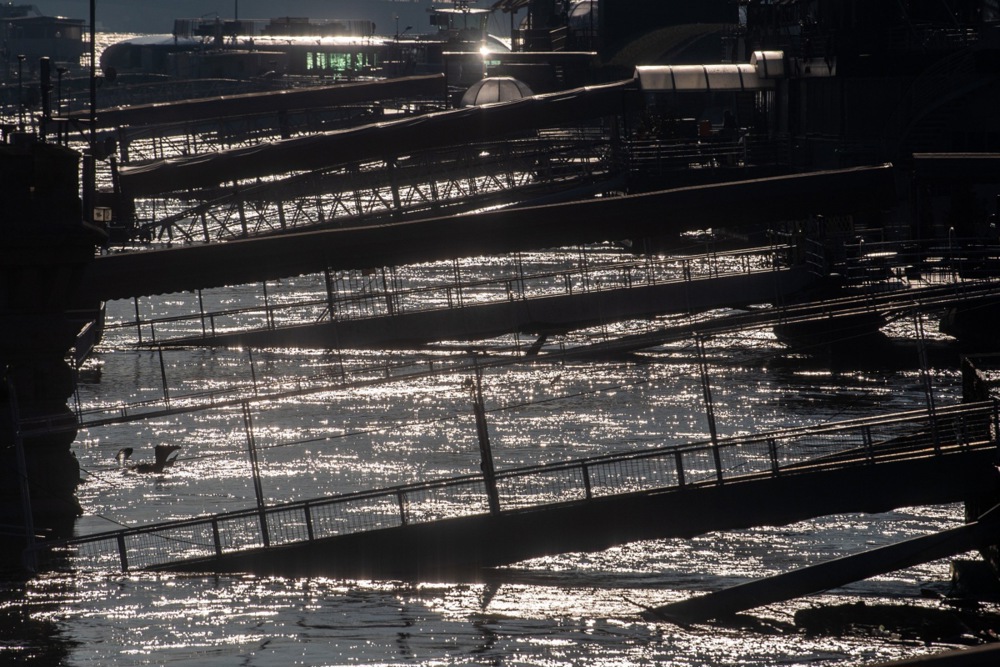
column 995, row 435
column 267, row 307
column 201, row 309
column 457, row 271
column 93, row 77
column 328, row 279
column 59, row 74
column 866, row 434
column 772, row 450
column 401, row 501
column 706, row 389
column 138, row 322
column 397, row 203
column 216, row 538
column 310, row 532
column 281, row 214
column 241, row 209
column 163, row 377
column 255, row 471
column 925, row 377
column 20, row 93
column 253, row 370
column 485, row 449
column 122, row 552
column 29, row 555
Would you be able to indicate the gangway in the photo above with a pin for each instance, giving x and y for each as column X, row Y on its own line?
column 256, row 389
column 420, row 184
column 382, row 312
column 446, row 526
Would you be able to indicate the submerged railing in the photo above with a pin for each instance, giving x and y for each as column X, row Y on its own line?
column 356, row 295
column 872, row 441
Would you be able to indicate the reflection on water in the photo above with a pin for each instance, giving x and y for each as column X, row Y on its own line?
column 565, row 610
column 570, row 610
column 29, row 634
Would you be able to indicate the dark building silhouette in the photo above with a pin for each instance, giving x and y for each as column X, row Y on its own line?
column 622, row 21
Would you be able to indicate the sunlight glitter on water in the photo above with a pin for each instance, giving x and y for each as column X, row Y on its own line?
column 571, row 609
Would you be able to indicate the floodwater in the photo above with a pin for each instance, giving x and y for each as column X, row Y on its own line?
column 571, row 609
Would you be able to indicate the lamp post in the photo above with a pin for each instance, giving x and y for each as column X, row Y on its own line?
column 89, row 167
column 59, row 73
column 93, row 73
column 20, row 92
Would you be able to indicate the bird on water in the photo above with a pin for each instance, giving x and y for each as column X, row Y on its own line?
column 162, row 459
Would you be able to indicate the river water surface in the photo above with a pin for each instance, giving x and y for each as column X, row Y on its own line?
column 571, row 609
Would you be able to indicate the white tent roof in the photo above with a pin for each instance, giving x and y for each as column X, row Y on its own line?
column 495, row 89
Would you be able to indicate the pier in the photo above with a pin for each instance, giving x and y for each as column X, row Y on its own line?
column 726, row 273
column 447, row 527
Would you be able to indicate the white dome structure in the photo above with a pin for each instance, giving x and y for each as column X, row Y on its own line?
column 583, row 15
column 495, row 89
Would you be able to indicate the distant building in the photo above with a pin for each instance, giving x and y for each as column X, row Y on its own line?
column 622, row 21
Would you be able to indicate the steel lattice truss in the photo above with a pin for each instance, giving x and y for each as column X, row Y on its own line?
column 430, row 183
column 159, row 142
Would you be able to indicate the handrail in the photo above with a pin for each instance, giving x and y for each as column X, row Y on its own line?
column 891, row 304
column 494, row 158
column 865, row 441
column 561, row 282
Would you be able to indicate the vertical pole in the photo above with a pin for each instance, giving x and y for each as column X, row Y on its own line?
column 485, row 449
column 310, row 532
column 122, row 551
column 458, row 281
column 163, row 377
column 706, row 389
column 20, row 93
column 255, row 471
column 397, row 203
column 925, row 377
column 281, row 214
column 267, row 307
column 29, row 556
column 253, row 370
column 138, row 322
column 241, row 209
column 401, row 501
column 329, row 293
column 216, row 538
column 387, row 293
column 201, row 309
column 866, row 435
column 995, row 435
column 93, row 74
column 90, row 168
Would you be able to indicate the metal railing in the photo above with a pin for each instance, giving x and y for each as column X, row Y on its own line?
column 352, row 193
column 359, row 295
column 871, row 441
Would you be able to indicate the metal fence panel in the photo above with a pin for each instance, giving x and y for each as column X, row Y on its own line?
column 609, row 478
column 355, row 515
